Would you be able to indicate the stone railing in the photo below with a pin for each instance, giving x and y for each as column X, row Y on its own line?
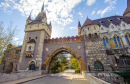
column 15, row 76
column 93, row 80
column 64, row 40
column 107, row 77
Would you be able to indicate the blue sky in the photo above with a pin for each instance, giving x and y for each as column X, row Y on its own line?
column 63, row 14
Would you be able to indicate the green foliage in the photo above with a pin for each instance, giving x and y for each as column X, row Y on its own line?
column 77, row 70
column 125, row 75
column 58, row 64
column 75, row 65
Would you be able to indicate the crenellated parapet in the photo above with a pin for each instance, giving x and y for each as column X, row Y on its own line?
column 64, row 40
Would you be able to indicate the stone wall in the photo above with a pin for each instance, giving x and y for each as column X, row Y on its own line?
column 16, row 76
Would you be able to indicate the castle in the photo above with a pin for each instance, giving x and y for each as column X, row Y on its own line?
column 101, row 45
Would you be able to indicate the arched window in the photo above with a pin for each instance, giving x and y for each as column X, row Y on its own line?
column 29, row 48
column 32, row 66
column 117, row 41
column 89, row 35
column 98, row 66
column 127, row 37
column 106, row 42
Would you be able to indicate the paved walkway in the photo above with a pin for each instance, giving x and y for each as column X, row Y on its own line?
column 67, row 77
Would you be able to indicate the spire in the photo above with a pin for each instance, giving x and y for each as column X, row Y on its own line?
column 128, row 8
column 42, row 7
column 79, row 25
column 50, row 23
column 29, row 18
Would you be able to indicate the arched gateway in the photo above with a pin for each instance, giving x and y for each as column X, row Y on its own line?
column 72, row 45
column 48, row 59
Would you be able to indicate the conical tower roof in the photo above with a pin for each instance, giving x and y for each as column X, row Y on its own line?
column 79, row 25
column 29, row 18
column 88, row 22
column 128, row 7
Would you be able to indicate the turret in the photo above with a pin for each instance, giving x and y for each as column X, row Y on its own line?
column 79, row 28
column 29, row 19
column 127, row 11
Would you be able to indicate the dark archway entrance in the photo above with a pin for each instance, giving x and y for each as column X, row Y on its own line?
column 9, row 69
column 55, row 52
column 32, row 66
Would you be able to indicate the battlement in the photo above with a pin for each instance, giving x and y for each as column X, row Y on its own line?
column 64, row 40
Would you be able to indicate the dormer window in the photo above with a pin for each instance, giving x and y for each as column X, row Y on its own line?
column 101, row 22
column 112, row 27
column 102, row 28
column 123, row 25
column 29, row 48
column 110, row 20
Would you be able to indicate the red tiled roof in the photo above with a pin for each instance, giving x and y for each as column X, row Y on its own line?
column 128, row 7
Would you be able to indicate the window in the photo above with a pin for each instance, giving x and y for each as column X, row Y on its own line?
column 124, row 61
column 36, row 37
column 88, row 28
column 94, row 28
column 106, row 42
column 102, row 28
column 117, row 41
column 30, row 26
column 96, row 34
column 127, row 37
column 89, row 35
column 123, row 25
column 29, row 38
column 29, row 48
column 98, row 66
column 112, row 27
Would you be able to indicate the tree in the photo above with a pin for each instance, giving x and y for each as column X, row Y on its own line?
column 6, row 36
column 75, row 65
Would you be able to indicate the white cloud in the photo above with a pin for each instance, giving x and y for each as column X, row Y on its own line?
column 58, row 11
column 99, row 11
column 73, row 28
column 62, row 28
column 80, row 14
column 108, row 8
column 93, row 12
column 90, row 2
column 15, row 38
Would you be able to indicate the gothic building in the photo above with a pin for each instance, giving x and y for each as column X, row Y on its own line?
column 101, row 45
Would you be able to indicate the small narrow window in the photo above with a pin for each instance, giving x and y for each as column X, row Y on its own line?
column 94, row 28
column 96, row 34
column 29, row 38
column 123, row 25
column 36, row 37
column 89, row 35
column 30, row 26
column 88, row 28
column 102, row 28
column 29, row 48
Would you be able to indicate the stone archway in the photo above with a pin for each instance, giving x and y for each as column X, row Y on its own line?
column 9, row 69
column 46, row 64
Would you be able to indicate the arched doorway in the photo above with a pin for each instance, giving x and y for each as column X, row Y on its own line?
column 48, row 60
column 32, row 66
column 9, row 69
column 98, row 66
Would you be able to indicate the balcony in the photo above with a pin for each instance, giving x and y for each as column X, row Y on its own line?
column 29, row 54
